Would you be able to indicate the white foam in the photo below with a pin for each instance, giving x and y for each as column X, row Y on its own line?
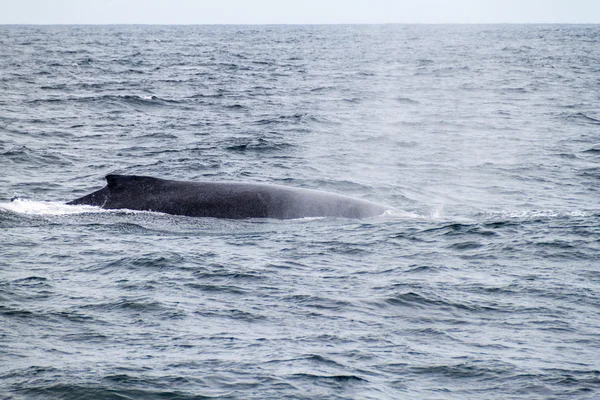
column 437, row 211
column 401, row 214
column 31, row 207
column 536, row 214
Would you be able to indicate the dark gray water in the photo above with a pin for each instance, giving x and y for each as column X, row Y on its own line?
column 484, row 282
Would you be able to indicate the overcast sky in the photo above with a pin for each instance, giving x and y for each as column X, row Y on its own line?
column 296, row 11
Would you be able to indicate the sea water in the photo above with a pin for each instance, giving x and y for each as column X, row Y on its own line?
column 483, row 281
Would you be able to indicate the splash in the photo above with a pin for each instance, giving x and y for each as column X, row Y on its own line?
column 31, row 207
column 401, row 214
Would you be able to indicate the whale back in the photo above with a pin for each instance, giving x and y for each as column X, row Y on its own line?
column 224, row 199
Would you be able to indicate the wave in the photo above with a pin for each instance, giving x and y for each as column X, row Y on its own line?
column 583, row 118
column 131, row 100
column 460, row 229
column 98, row 391
column 333, row 378
column 25, row 155
column 282, row 119
column 407, row 100
column 593, row 150
column 419, row 301
column 260, row 145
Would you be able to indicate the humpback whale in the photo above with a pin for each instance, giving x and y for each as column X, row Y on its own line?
column 224, row 199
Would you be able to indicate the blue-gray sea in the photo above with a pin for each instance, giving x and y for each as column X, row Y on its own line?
column 483, row 282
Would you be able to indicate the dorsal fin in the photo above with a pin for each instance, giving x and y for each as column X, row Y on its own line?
column 120, row 181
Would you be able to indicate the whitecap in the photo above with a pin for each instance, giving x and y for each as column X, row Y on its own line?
column 31, row 207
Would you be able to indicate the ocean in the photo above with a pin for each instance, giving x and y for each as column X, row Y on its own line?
column 481, row 282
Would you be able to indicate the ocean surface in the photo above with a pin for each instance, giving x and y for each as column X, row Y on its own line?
column 482, row 282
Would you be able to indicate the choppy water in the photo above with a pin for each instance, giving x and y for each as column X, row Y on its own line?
column 483, row 283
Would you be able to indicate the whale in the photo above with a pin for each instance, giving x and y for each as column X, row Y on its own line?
column 224, row 199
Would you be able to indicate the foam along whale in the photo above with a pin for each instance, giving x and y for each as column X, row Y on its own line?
column 224, row 199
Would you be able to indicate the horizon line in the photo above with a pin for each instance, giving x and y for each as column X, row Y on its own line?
column 295, row 23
